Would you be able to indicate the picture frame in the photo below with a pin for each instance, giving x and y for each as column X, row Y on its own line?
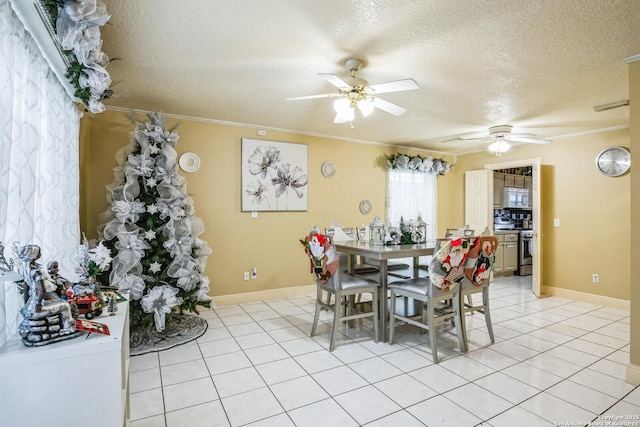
column 274, row 176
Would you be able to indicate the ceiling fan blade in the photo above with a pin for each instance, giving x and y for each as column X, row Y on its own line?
column 397, row 86
column 339, row 119
column 519, row 138
column 388, row 107
column 326, row 95
column 334, row 80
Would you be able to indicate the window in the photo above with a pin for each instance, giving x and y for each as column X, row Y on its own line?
column 410, row 193
column 39, row 165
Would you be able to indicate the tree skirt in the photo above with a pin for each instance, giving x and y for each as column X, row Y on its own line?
column 182, row 329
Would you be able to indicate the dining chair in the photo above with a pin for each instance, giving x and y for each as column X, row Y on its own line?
column 331, row 278
column 477, row 278
column 460, row 232
column 446, row 269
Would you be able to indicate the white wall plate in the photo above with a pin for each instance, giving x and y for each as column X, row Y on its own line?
column 328, row 169
column 365, row 207
column 189, row 162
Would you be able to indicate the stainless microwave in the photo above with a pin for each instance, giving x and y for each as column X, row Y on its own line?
column 516, row 198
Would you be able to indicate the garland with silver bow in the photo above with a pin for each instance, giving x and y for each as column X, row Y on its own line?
column 425, row 164
column 77, row 26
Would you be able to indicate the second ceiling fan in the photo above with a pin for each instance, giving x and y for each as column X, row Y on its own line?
column 354, row 92
column 500, row 136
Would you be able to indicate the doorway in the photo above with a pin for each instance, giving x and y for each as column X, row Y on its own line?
column 535, row 164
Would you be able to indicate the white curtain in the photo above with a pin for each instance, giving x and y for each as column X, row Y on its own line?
column 39, row 166
column 410, row 193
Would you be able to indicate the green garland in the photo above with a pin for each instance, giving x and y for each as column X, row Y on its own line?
column 426, row 164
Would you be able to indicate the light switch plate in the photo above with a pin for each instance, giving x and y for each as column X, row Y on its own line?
column 556, row 222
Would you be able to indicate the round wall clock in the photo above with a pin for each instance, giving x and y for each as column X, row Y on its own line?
column 328, row 169
column 365, row 207
column 613, row 161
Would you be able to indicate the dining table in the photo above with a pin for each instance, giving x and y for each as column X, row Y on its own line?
column 384, row 253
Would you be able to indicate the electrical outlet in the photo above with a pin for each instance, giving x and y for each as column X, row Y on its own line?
column 262, row 132
column 254, row 273
column 595, row 278
column 246, row 275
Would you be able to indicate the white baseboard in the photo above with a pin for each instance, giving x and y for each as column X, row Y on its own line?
column 633, row 374
column 621, row 304
column 270, row 294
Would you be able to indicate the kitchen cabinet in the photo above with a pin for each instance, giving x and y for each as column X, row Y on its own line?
column 506, row 261
column 528, row 185
column 509, row 180
column 498, row 189
column 518, row 181
column 82, row 381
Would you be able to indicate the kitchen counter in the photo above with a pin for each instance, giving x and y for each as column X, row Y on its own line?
column 502, row 232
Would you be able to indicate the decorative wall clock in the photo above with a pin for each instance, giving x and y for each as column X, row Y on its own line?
column 613, row 161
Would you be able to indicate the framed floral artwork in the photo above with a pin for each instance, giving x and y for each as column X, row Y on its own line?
column 274, row 176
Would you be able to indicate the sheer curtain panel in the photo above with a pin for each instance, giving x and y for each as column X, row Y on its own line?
column 39, row 166
column 410, row 193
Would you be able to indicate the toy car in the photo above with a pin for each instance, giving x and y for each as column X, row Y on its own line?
column 89, row 305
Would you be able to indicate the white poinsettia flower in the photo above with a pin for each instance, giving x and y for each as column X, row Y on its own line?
column 132, row 284
column 171, row 208
column 101, row 256
column 142, row 164
column 179, row 247
column 154, row 149
column 128, row 211
column 131, row 242
column 152, row 208
column 150, row 234
column 160, row 300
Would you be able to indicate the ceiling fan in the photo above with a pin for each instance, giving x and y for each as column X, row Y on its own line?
column 355, row 92
column 500, row 136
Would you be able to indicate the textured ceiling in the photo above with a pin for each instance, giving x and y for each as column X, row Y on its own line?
column 539, row 65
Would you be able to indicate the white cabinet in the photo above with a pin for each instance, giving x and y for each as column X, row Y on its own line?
column 518, row 181
column 528, row 184
column 498, row 189
column 509, row 180
column 507, row 254
column 83, row 381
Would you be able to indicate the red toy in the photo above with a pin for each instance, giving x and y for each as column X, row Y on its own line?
column 89, row 305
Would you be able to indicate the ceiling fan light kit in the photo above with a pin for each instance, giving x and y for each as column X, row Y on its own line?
column 500, row 146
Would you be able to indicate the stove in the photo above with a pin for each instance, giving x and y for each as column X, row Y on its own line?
column 525, row 253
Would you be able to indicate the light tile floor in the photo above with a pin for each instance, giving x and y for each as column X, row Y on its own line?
column 555, row 360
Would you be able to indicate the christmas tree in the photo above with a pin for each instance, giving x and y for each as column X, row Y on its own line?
column 152, row 231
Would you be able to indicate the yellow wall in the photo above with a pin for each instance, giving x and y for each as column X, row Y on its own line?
column 633, row 374
column 594, row 232
column 239, row 242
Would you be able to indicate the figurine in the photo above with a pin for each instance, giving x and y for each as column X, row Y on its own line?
column 112, row 306
column 47, row 318
column 55, row 277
